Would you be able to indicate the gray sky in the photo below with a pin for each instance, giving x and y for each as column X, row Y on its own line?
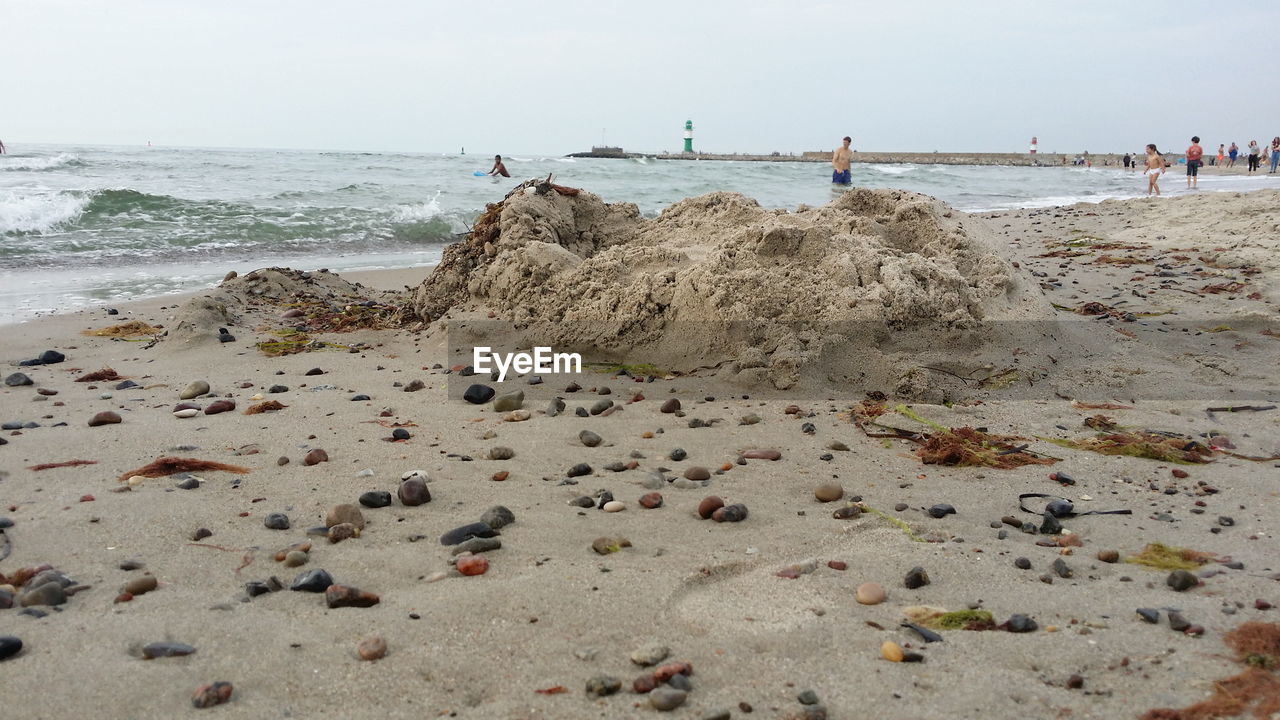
column 547, row 77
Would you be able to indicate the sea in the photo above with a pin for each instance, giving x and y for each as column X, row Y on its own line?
column 85, row 225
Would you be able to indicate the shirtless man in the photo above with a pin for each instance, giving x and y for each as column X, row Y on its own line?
column 841, row 159
column 498, row 167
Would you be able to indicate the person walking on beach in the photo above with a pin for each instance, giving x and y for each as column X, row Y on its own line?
column 1232, row 153
column 1275, row 154
column 1155, row 168
column 1254, row 155
column 841, row 159
column 1194, row 153
column 1126, row 160
column 1222, row 151
column 498, row 167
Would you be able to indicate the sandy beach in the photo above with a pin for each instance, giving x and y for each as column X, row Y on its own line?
column 1061, row 324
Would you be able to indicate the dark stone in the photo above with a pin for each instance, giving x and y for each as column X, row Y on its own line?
column 360, row 398
column 1181, row 580
column 916, row 577
column 226, row 338
column 602, row 685
column 1177, row 622
column 189, row 483
column 583, row 502
column 590, row 439
column 48, row 593
column 314, row 371
column 730, row 513
column 678, row 454
column 254, row 588
column 925, row 634
column 200, row 534
column 220, row 406
column 579, row 470
column 17, row 380
column 498, row 517
column 51, row 357
column 466, row 532
column 414, row 386
column 206, row 696
column 341, row 596
column 680, row 681
column 941, row 510
column 602, row 498
column 670, row 406
column 166, row 649
column 1150, row 615
column 1226, row 521
column 400, row 434
column 600, row 406
column 278, row 389
column 1061, row 569
column 807, row 697
column 276, row 521
column 476, row 546
column 1022, row 563
column 375, row 499
column 478, row 394
column 1050, row 526
column 413, row 492
column 106, row 417
column 126, row 385
column 312, row 581
column 9, row 646
column 848, row 512
column 1019, row 623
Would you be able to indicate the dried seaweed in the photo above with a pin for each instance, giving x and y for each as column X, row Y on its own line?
column 68, row 463
column 1122, row 260
column 901, row 525
column 99, row 376
column 1255, row 689
column 1165, row 447
column 268, row 406
column 1168, row 557
column 133, row 328
column 1230, row 288
column 171, row 465
column 1101, row 423
column 958, row 447
column 1099, row 406
column 940, row 619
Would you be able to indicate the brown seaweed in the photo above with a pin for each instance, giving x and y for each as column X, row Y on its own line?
column 171, row 465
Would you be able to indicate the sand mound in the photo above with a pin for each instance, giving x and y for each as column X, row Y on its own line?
column 199, row 320
column 718, row 281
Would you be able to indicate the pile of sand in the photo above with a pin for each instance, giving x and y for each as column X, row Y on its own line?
column 870, row 286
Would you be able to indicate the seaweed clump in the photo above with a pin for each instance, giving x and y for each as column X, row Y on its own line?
column 1168, row 557
column 268, row 406
column 133, row 328
column 1165, row 447
column 956, row 447
column 939, row 619
column 171, row 465
column 1255, row 689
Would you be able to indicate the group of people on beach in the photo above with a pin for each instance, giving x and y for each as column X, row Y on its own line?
column 1256, row 157
column 1155, row 164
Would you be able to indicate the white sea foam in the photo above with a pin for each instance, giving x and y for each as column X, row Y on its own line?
column 37, row 211
column 894, row 169
column 51, row 162
column 417, row 212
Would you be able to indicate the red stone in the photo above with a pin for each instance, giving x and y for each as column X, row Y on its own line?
column 663, row 673
column 837, row 565
column 709, row 505
column 651, row 500
column 1180, row 473
column 473, row 565
column 340, row 596
column 211, row 694
column 86, row 498
column 315, row 457
column 220, row 406
column 643, row 684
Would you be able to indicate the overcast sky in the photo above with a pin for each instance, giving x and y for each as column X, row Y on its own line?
column 549, row 77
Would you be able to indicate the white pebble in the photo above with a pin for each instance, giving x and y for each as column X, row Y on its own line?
column 136, row 480
column 614, row 506
column 257, row 396
column 105, row 396
column 367, row 472
column 186, row 413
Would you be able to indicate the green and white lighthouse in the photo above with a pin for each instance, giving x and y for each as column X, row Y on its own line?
column 688, row 136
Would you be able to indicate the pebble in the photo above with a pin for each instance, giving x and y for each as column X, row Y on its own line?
column 667, row 699
column 590, row 439
column 413, row 492
column 315, row 457
column 762, row 455
column 1022, row 563
column 186, row 412
column 414, row 386
column 870, row 593
column 650, row 655
column 651, row 500
column 18, row 380
column 344, row 513
column 680, row 681
column 312, row 581
column 670, row 406
column 583, row 501
column 466, row 532
column 342, row 531
column 709, row 506
column 643, row 684
column 166, row 649
column 848, row 512
column 295, row 558
column 478, row 394
column 501, row 453
column 141, row 585
column 828, row 492
column 372, row 648
column 497, row 517
column 602, row 685
column 1051, row 525
column 375, row 499
column 195, row 389
column 476, row 546
column 106, row 417
column 341, row 596
column 400, row 434
column 697, row 473
column 473, row 564
column 941, row 510
column 730, row 513
column 220, row 406
column 677, row 454
column 607, row 545
column 276, row 521
column 1061, row 569
column 1181, row 580
column 206, row 696
column 916, row 578
column 807, row 697
column 1019, row 623
column 47, row 593
column 614, row 506
column 891, row 651
column 509, row 401
column 9, row 646
column 579, row 470
column 189, row 483
column 1108, row 556
column 1150, row 615
column 600, row 406
column 278, row 389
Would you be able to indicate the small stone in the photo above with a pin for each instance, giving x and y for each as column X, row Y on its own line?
column 891, row 651
column 220, row 406
column 670, row 406
column 600, row 406
column 807, row 697
column 372, row 648
column 48, row 593
column 206, row 696
column 1181, row 580
column 375, row 499
column 730, row 513
column 475, row 546
column 18, row 380
column 697, row 473
column 666, row 698
column 870, row 593
column 1061, row 569
column 651, row 500
column 1019, row 623
column 762, row 454
column 473, row 564
column 276, row 521
column 9, row 647
column 141, row 585
column 478, row 394
column 400, row 434
column 608, row 545
column 941, row 510
column 466, row 532
column 679, row 681
column 106, row 417
column 497, row 517
column 313, row 371
column 501, row 453
column 166, row 649
column 828, row 492
column 614, row 506
column 1177, row 622
column 342, row 531
column 1022, row 563
column 344, row 513
column 677, row 454
column 579, row 470
column 509, row 401
column 315, row 457
column 916, row 578
column 709, row 505
column 650, row 655
column 1051, row 525
column 602, row 685
column 1108, row 556
column 414, row 386
column 1150, row 615
column 342, row 596
column 590, row 439
column 316, row 580
column 583, row 501
column 643, row 684
column 413, row 492
column 194, row 390
column 1075, row 682
column 848, row 512
column 295, row 558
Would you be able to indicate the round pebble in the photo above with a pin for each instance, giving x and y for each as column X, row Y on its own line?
column 413, row 492
column 372, row 648
column 344, row 513
column 697, row 473
column 828, row 492
column 870, row 593
column 614, row 506
column 651, row 500
column 106, row 417
column 709, row 505
column 891, row 651
column 9, row 646
column 276, row 521
column 295, row 558
column 667, row 699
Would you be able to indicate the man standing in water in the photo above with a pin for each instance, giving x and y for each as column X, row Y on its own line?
column 1194, row 153
column 498, row 167
column 841, row 159
column 2, row 150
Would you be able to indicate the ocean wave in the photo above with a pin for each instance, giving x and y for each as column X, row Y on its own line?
column 894, row 169
column 39, row 211
column 39, row 163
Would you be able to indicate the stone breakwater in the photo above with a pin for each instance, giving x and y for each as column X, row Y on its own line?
column 889, row 158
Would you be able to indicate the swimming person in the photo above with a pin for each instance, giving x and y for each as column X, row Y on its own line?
column 1194, row 153
column 841, row 159
column 1155, row 168
column 498, row 167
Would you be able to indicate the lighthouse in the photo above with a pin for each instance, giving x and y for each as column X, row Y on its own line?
column 688, row 136
column 1034, row 142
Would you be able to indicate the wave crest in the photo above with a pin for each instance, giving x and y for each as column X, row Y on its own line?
column 16, row 163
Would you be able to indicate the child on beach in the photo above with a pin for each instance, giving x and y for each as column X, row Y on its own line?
column 1222, row 150
column 1155, row 168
